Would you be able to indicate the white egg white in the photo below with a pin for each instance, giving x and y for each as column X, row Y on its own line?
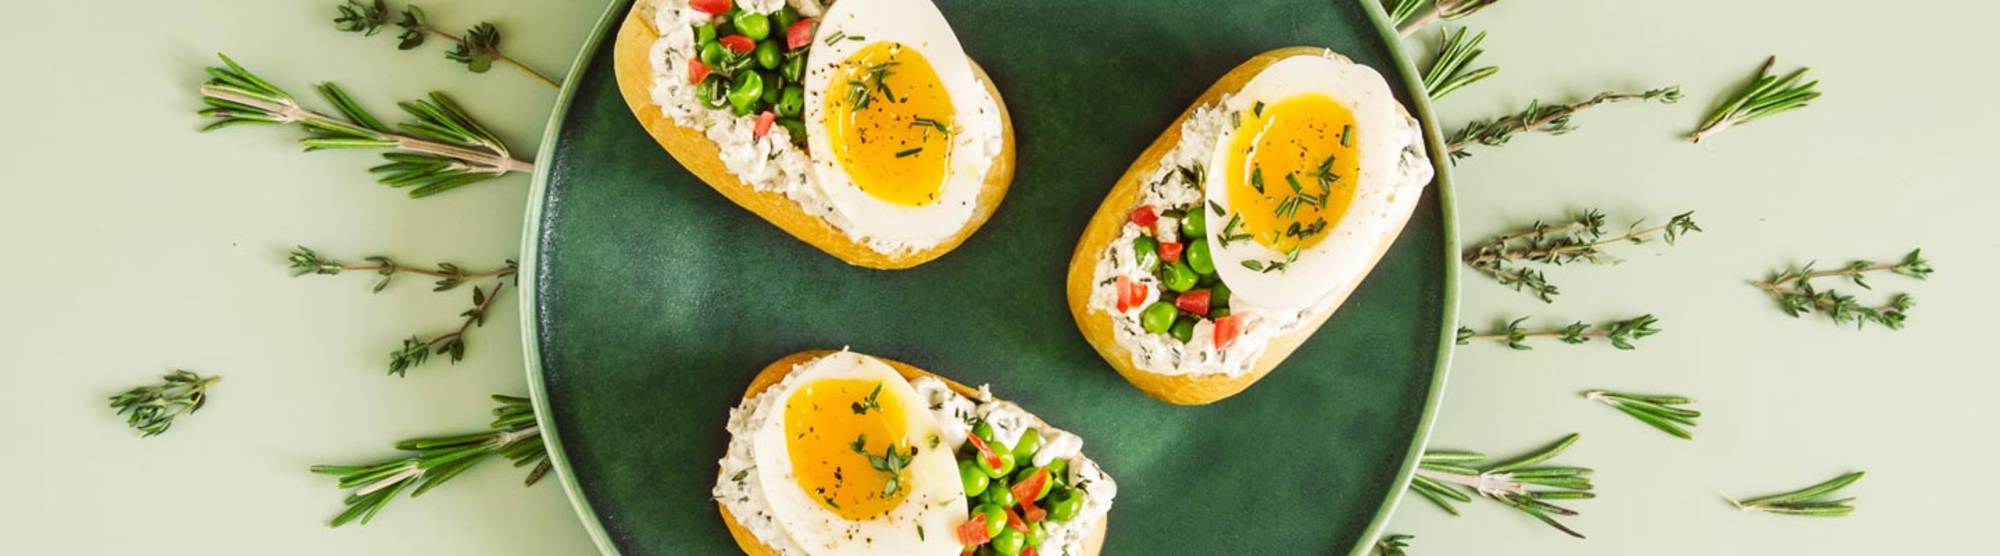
column 1390, row 183
column 936, row 500
column 916, row 24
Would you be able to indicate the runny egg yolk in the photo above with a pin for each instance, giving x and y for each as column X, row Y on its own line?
column 889, row 120
column 825, row 421
column 1291, row 170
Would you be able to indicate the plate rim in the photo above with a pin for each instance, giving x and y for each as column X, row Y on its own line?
column 538, row 196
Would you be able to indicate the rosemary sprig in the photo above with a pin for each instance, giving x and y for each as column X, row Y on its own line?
column 1452, row 69
column 514, row 435
column 440, row 151
column 1619, row 333
column 1400, row 11
column 1580, row 240
column 1393, row 545
column 417, row 350
column 306, row 261
column 1553, row 119
column 1658, row 411
column 154, row 408
column 1511, row 482
column 1440, row 9
column 1767, row 94
column 1796, row 295
column 478, row 49
column 1810, row 501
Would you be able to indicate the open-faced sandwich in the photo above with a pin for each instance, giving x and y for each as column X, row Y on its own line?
column 858, row 126
column 1242, row 228
column 838, row 453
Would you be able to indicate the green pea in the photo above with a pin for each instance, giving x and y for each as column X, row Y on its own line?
column 975, row 480
column 752, row 24
column 984, row 431
column 1009, row 542
column 713, row 54
column 771, row 90
column 1218, row 312
column 1030, row 442
column 1024, row 473
column 725, row 28
column 1146, row 250
column 1059, row 471
column 795, row 69
column 996, row 517
column 792, row 101
column 1037, row 533
column 1183, row 329
column 985, row 550
column 1218, row 296
column 749, row 88
column 786, row 17
column 796, row 128
column 713, row 92
column 1179, row 276
column 704, row 34
column 1195, row 224
column 769, row 54
column 1065, row 504
column 999, row 496
column 1198, row 257
column 1157, row 317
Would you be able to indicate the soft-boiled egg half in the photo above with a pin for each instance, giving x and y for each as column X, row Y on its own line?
column 857, row 463
column 900, row 131
column 1313, row 177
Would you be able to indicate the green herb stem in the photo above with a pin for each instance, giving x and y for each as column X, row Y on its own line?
column 1811, row 501
column 1796, row 295
column 478, row 49
column 1552, row 119
column 1765, row 95
column 154, row 408
column 436, row 460
column 1410, row 21
column 1521, row 483
column 1660, row 412
column 1620, row 334
column 1582, row 240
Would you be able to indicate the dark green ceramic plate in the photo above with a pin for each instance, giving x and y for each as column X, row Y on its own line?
column 653, row 300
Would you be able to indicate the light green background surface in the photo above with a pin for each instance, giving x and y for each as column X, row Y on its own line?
column 132, row 245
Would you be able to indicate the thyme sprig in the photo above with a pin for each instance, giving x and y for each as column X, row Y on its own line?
column 1810, row 501
column 1552, row 119
column 154, row 408
column 477, row 49
column 1792, row 288
column 443, row 149
column 416, row 350
column 513, row 435
column 1452, row 70
column 1765, row 95
column 1411, row 21
column 1581, row 240
column 449, row 275
column 1619, row 333
column 1658, row 411
column 1512, row 482
column 1393, row 545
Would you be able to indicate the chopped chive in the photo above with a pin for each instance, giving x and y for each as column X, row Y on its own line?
column 1327, row 166
column 1258, row 108
column 1294, row 180
column 857, row 38
column 1257, row 179
column 1346, row 133
column 909, row 152
column 1217, row 208
column 837, row 35
column 1235, row 119
column 1254, row 265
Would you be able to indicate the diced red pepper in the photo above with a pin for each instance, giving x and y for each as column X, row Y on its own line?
column 697, row 71
column 1029, row 551
column 764, row 121
column 973, row 532
column 738, row 43
column 800, row 34
column 1034, row 514
column 992, row 460
column 1227, row 329
column 1014, row 521
column 717, row 7
column 1194, row 301
column 1144, row 217
column 1171, row 252
column 1130, row 293
column 1026, row 490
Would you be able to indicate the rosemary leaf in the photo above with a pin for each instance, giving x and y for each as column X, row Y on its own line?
column 1517, row 483
column 1765, row 95
column 437, row 460
column 1809, row 501
column 1452, row 69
